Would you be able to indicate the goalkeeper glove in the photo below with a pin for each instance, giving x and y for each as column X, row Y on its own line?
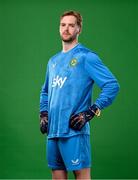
column 78, row 121
column 43, row 122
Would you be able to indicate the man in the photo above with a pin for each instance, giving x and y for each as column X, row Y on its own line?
column 65, row 101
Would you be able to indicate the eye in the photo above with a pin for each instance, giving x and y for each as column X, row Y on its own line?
column 62, row 24
column 72, row 25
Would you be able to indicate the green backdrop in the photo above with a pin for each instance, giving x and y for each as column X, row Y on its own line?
column 28, row 38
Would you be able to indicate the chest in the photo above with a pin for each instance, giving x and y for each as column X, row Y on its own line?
column 67, row 67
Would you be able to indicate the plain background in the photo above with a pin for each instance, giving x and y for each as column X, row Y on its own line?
column 28, row 38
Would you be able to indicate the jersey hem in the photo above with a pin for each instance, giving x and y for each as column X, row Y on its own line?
column 66, row 135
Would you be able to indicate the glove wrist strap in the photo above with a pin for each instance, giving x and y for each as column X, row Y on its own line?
column 43, row 114
column 95, row 109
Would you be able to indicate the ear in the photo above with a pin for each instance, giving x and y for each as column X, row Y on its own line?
column 78, row 30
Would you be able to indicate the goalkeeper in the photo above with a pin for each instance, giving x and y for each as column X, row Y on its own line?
column 66, row 107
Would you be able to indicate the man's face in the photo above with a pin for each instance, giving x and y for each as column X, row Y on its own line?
column 69, row 30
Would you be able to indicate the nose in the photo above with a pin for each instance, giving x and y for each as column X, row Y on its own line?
column 66, row 28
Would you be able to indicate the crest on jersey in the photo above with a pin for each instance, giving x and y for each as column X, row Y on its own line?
column 73, row 62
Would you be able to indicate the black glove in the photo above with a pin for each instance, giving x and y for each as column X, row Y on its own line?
column 43, row 122
column 77, row 121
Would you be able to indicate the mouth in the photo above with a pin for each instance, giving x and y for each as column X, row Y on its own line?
column 66, row 34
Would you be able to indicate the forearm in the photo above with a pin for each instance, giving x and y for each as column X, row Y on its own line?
column 108, row 94
column 43, row 100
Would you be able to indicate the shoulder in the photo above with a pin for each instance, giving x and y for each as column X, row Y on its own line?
column 89, row 55
column 53, row 58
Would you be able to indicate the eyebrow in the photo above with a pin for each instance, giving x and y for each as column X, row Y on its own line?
column 69, row 23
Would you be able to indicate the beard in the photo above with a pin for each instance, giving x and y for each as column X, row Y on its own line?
column 69, row 39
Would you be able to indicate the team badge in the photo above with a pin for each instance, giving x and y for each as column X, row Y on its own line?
column 73, row 62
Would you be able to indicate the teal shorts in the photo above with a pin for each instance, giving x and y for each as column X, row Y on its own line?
column 72, row 153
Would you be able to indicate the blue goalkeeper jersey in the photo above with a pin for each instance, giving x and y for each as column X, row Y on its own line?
column 68, row 88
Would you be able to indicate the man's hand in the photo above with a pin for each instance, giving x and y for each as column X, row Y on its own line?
column 43, row 122
column 78, row 121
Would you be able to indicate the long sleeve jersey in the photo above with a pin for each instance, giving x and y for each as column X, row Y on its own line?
column 68, row 88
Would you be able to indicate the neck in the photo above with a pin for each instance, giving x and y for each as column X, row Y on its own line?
column 66, row 46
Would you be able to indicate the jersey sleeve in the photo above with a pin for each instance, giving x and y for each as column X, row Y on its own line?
column 44, row 93
column 103, row 77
